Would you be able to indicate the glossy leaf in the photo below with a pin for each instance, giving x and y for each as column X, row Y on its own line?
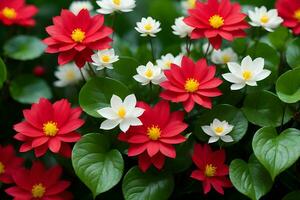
column 3, row 72
column 293, row 53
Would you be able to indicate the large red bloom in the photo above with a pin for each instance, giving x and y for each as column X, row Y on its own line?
column 49, row 126
column 216, row 20
column 17, row 12
column 211, row 168
column 75, row 37
column 190, row 83
column 39, row 183
column 153, row 140
column 9, row 163
column 289, row 10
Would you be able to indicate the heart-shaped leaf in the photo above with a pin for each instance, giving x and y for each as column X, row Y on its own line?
column 276, row 152
column 150, row 185
column 97, row 165
column 251, row 179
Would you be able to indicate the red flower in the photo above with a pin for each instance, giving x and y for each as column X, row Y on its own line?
column 49, row 126
column 211, row 168
column 190, row 83
column 153, row 140
column 216, row 20
column 17, row 12
column 9, row 163
column 289, row 10
column 75, row 37
column 39, row 183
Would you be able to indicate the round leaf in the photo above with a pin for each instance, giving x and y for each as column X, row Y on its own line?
column 276, row 152
column 263, row 108
column 223, row 112
column 150, row 185
column 3, row 72
column 288, row 86
column 24, row 48
column 97, row 92
column 251, row 179
column 293, row 53
column 97, row 165
column 279, row 37
column 29, row 89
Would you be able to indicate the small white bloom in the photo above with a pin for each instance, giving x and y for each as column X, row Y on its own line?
column 248, row 73
column 77, row 6
column 224, row 56
column 205, row 46
column 188, row 4
column 68, row 74
column 104, row 58
column 149, row 73
column 181, row 28
column 148, row 27
column 122, row 113
column 166, row 60
column 218, row 130
column 269, row 20
column 110, row 6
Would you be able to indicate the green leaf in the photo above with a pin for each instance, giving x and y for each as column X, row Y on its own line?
column 150, row 185
column 292, row 195
column 98, row 166
column 24, row 47
column 293, row 53
column 279, row 37
column 97, row 92
column 29, row 89
column 3, row 72
column 276, row 152
column 264, row 108
column 223, row 112
column 288, row 86
column 251, row 179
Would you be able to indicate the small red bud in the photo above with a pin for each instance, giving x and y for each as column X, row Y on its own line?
column 39, row 70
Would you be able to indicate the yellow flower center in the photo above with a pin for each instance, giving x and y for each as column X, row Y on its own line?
column 191, row 85
column 117, row 2
column 247, row 75
column 105, row 58
column 78, row 35
column 9, row 13
column 148, row 27
column 2, row 168
column 122, row 112
column 226, row 58
column 38, row 190
column 50, row 128
column 70, row 75
column 216, row 21
column 210, row 170
column 149, row 73
column 153, row 132
column 191, row 3
column 219, row 130
column 168, row 64
column 297, row 15
column 264, row 19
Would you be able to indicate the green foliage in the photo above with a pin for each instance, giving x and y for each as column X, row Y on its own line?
column 3, row 73
column 293, row 53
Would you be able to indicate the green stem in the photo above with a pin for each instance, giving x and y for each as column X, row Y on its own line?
column 93, row 73
column 188, row 46
column 83, row 78
column 152, row 49
column 207, row 50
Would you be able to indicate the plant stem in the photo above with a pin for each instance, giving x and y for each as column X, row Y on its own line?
column 282, row 119
column 91, row 69
column 188, row 46
column 207, row 50
column 83, row 78
column 152, row 49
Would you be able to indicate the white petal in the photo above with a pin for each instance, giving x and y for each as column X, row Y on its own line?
column 130, row 102
column 258, row 64
column 234, row 68
column 115, row 102
column 124, row 125
column 208, row 131
column 237, row 86
column 264, row 74
column 136, row 112
column 213, row 139
column 109, row 124
column 108, row 113
column 246, row 62
column 232, row 78
column 227, row 138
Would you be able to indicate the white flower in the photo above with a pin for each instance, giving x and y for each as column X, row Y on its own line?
column 148, row 27
column 121, row 113
column 218, row 130
column 149, row 73
column 205, row 46
column 223, row 56
column 77, row 6
column 104, row 58
column 110, row 6
column 188, row 4
column 165, row 61
column 181, row 28
column 248, row 73
column 68, row 74
column 269, row 20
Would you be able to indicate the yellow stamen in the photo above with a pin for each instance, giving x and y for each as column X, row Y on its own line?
column 50, row 128
column 70, row 75
column 153, row 132
column 78, row 35
column 2, row 168
column 264, row 19
column 117, row 2
column 247, row 75
column 149, row 73
column 148, row 27
column 210, row 170
column 191, row 85
column 9, row 13
column 219, row 130
column 191, row 3
column 38, row 190
column 216, row 21
column 168, row 64
column 226, row 58
column 122, row 112
column 297, row 14
column 105, row 58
